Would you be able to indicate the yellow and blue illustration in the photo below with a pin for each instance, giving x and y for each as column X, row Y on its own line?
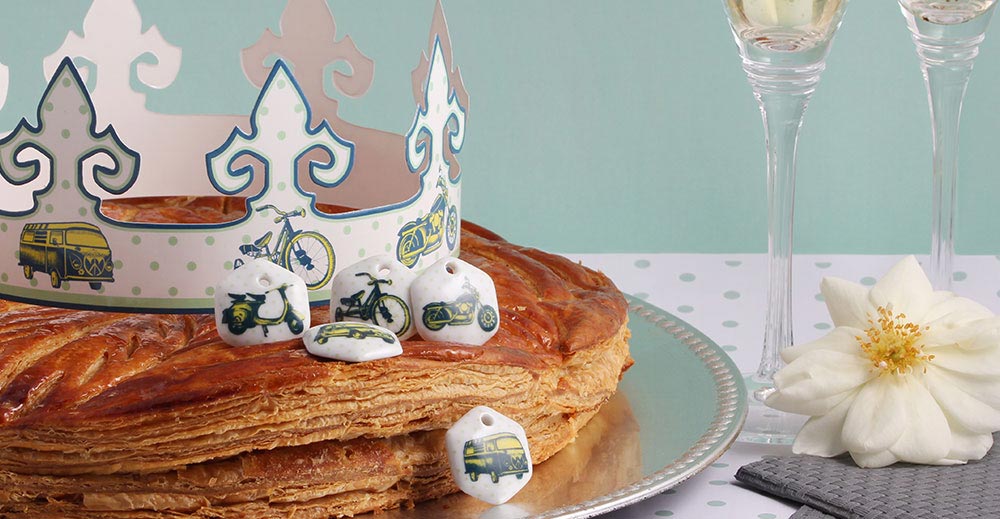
column 461, row 312
column 496, row 455
column 386, row 310
column 244, row 313
column 66, row 251
column 351, row 330
column 425, row 234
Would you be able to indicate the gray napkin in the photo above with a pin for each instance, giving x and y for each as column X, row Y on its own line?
column 836, row 486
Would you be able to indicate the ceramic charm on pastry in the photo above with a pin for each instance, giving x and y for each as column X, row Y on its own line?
column 261, row 303
column 375, row 290
column 352, row 342
column 489, row 456
column 456, row 302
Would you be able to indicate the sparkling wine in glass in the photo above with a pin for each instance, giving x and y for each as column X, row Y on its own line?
column 947, row 34
column 783, row 45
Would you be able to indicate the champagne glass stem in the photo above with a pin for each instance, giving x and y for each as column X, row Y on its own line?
column 947, row 66
column 783, row 95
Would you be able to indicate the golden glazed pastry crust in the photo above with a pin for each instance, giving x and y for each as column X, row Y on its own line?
column 129, row 415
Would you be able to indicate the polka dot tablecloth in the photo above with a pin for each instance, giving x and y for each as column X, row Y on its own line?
column 723, row 296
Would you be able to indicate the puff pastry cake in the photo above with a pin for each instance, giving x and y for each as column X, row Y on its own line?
column 132, row 415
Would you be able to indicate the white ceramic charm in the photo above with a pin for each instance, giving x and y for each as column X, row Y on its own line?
column 375, row 290
column 489, row 455
column 454, row 301
column 352, row 342
column 260, row 303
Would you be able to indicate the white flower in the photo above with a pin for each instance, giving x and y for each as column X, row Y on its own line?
column 908, row 374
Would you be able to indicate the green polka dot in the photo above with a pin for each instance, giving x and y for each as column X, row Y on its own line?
column 388, row 247
column 766, row 516
column 209, row 240
column 823, row 264
column 246, row 238
column 263, row 110
column 399, row 220
column 210, row 291
column 65, row 184
column 998, row 293
column 82, row 211
column 685, row 309
column 375, row 225
column 228, row 265
column 136, row 240
column 192, row 266
column 101, row 290
column 347, row 229
column 733, row 263
column 641, row 295
column 819, row 297
column 282, row 186
column 720, row 465
column 65, row 287
column 119, row 264
column 716, row 503
column 83, row 109
column 663, row 513
column 172, row 291
column 33, row 282
column 641, row 264
column 299, row 108
column 49, row 107
column 3, row 277
column 3, row 227
column 730, row 324
column 361, row 253
column 868, row 281
column 65, row 82
column 172, row 241
column 729, row 347
column 281, row 84
column 718, row 482
column 822, row 326
column 136, row 291
column 154, row 266
column 959, row 276
column 281, row 135
column 731, row 294
column 49, row 208
column 65, row 134
column 687, row 277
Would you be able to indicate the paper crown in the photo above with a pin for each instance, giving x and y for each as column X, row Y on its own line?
column 291, row 153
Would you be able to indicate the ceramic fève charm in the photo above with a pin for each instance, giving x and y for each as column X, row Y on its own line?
column 454, row 301
column 375, row 290
column 489, row 456
column 260, row 303
column 352, row 342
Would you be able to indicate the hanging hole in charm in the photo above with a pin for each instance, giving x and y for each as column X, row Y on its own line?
column 383, row 270
column 450, row 267
column 264, row 281
column 487, row 419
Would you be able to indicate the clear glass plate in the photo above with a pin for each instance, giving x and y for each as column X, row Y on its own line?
column 677, row 410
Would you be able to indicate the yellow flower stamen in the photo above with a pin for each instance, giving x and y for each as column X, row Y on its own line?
column 892, row 343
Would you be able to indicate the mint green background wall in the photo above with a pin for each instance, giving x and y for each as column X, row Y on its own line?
column 611, row 126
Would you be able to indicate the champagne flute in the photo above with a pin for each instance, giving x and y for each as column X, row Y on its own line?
column 783, row 45
column 947, row 34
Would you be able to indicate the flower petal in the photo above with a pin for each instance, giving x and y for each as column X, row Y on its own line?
column 847, row 302
column 877, row 418
column 955, row 311
column 927, row 436
column 842, row 339
column 817, row 381
column 874, row 460
column 905, row 288
column 984, row 388
column 820, row 436
column 959, row 407
column 974, row 335
column 967, row 445
column 983, row 361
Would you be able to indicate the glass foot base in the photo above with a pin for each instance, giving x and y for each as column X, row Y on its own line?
column 763, row 424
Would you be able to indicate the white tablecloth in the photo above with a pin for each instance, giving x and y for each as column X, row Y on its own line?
column 723, row 296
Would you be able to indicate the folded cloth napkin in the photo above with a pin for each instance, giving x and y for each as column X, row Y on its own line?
column 836, row 487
